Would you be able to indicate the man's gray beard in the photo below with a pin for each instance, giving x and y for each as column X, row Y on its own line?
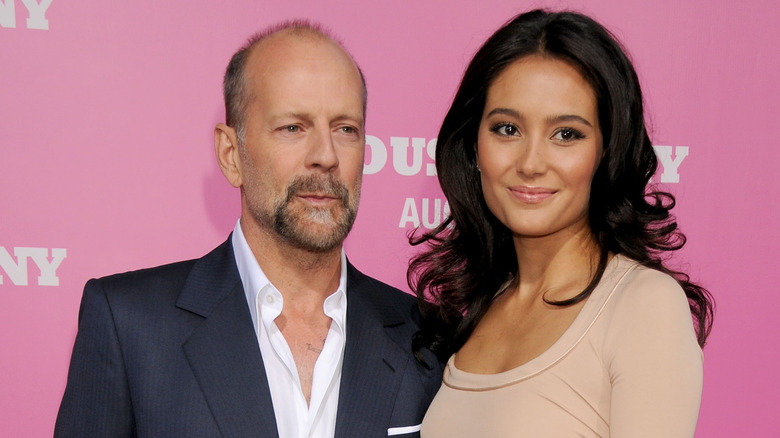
column 291, row 224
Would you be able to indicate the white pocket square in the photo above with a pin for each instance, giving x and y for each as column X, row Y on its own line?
column 393, row 431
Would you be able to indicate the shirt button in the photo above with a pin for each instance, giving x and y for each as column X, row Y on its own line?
column 270, row 299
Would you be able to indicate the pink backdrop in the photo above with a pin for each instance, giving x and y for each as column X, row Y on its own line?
column 106, row 163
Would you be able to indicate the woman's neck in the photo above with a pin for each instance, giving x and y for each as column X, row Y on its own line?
column 557, row 264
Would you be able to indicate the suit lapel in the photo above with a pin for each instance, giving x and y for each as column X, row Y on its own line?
column 373, row 362
column 223, row 351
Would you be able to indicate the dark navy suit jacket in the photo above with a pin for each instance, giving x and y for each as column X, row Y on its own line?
column 171, row 352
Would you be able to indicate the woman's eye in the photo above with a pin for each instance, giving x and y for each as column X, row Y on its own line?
column 506, row 129
column 568, row 134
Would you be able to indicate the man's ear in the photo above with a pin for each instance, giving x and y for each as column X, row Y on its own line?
column 228, row 157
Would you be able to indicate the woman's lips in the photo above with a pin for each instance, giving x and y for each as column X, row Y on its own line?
column 531, row 195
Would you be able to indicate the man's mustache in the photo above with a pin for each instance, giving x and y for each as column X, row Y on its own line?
column 327, row 185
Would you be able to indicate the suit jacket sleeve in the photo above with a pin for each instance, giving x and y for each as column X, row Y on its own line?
column 97, row 400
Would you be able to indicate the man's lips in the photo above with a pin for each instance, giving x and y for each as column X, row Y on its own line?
column 318, row 198
column 532, row 195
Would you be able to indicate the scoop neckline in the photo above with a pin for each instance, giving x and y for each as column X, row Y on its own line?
column 616, row 269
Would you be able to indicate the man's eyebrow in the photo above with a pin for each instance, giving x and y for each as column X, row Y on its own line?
column 342, row 117
column 308, row 116
column 294, row 115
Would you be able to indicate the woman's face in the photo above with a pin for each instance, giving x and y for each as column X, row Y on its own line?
column 538, row 147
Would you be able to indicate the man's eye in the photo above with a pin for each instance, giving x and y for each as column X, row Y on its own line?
column 292, row 128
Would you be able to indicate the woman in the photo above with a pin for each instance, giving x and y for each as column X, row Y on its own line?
column 545, row 287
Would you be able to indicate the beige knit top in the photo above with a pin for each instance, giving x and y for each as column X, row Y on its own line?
column 628, row 366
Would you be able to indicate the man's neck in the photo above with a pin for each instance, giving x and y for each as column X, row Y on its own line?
column 298, row 274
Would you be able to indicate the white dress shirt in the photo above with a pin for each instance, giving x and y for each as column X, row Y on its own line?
column 294, row 418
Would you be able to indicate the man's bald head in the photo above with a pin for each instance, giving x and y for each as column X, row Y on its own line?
column 235, row 88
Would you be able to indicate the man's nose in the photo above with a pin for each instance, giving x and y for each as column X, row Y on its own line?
column 322, row 150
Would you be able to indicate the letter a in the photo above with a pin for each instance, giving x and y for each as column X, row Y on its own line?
column 409, row 214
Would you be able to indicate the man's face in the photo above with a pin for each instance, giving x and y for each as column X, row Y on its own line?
column 302, row 158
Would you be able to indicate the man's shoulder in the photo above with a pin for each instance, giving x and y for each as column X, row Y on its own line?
column 167, row 277
column 156, row 274
column 387, row 303
column 377, row 288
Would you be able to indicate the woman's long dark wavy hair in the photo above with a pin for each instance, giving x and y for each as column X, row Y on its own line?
column 471, row 254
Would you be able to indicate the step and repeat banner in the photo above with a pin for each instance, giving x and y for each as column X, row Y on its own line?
column 107, row 112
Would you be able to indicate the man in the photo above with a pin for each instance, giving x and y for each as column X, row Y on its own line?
column 273, row 333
